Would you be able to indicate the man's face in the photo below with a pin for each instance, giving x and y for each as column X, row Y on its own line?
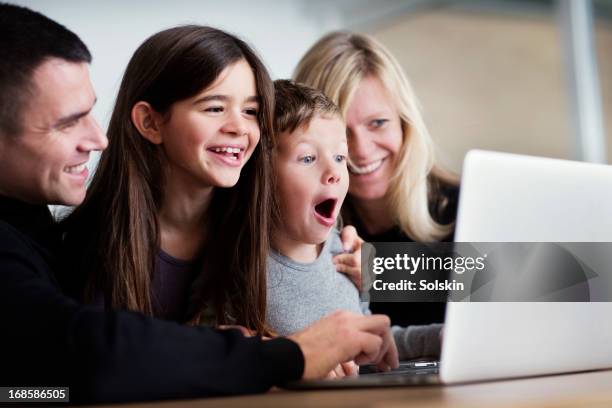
column 47, row 162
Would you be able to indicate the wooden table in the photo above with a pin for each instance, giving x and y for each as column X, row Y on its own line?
column 590, row 390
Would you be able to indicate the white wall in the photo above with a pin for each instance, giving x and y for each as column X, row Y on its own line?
column 281, row 31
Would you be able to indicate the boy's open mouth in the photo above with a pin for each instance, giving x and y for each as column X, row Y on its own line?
column 326, row 208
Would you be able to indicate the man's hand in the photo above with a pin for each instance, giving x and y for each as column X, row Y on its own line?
column 344, row 336
column 348, row 369
column 245, row 332
column 350, row 261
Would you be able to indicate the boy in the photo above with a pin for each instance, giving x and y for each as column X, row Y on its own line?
column 311, row 178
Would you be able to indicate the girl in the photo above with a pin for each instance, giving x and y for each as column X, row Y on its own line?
column 192, row 107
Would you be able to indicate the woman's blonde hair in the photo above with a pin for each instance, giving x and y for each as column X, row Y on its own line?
column 336, row 64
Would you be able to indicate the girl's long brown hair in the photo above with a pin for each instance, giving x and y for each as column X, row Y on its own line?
column 114, row 234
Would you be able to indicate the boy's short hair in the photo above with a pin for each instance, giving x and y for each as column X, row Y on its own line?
column 297, row 104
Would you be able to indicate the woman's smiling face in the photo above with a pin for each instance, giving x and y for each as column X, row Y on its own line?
column 209, row 137
column 374, row 133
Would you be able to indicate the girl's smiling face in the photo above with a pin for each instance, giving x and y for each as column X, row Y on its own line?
column 208, row 138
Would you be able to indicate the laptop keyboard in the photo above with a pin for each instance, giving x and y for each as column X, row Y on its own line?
column 405, row 367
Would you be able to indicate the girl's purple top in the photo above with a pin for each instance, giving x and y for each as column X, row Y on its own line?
column 170, row 288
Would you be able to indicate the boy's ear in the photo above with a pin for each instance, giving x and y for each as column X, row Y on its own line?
column 146, row 120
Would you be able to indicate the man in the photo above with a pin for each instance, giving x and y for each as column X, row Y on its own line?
column 46, row 134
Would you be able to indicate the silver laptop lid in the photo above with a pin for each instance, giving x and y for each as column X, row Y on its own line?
column 512, row 198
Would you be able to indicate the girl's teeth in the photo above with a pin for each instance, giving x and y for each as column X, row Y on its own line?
column 365, row 169
column 226, row 149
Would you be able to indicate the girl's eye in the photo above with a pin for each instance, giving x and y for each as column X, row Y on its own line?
column 214, row 109
column 308, row 159
column 340, row 158
column 377, row 123
column 251, row 111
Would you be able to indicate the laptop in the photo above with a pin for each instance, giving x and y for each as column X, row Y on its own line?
column 513, row 198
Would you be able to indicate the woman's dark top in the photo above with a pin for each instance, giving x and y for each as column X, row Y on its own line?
column 443, row 208
column 49, row 339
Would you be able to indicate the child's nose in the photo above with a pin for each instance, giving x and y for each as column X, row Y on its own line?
column 236, row 125
column 331, row 176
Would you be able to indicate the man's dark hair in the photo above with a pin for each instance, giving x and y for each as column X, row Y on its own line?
column 27, row 39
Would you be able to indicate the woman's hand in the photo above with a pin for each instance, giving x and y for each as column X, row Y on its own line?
column 349, row 262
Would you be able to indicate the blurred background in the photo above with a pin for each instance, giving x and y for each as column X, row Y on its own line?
column 523, row 76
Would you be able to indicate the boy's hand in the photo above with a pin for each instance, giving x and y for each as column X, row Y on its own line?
column 350, row 261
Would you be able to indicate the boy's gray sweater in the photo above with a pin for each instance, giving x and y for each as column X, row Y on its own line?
column 301, row 293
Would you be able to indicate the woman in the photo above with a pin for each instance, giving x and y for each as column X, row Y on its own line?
column 396, row 191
